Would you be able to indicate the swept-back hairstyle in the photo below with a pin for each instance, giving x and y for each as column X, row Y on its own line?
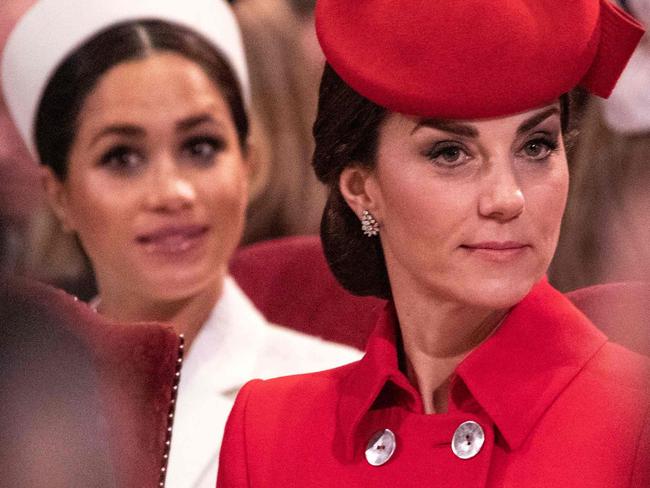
column 76, row 77
column 346, row 133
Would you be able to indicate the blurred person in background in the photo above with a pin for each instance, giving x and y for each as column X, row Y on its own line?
column 285, row 63
column 52, row 422
column 605, row 233
column 86, row 402
column 20, row 191
column 138, row 111
column 606, row 229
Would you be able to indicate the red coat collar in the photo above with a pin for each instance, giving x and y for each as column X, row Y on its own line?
column 514, row 376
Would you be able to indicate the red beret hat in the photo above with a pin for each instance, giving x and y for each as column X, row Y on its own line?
column 467, row 59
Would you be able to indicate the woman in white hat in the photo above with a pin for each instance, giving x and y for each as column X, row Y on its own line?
column 137, row 110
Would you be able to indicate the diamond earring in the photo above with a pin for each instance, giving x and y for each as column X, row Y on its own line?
column 369, row 225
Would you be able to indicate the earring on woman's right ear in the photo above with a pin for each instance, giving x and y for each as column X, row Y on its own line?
column 369, row 225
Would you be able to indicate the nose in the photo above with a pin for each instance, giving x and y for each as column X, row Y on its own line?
column 169, row 189
column 502, row 198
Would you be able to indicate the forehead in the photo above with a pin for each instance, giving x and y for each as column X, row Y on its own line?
column 474, row 127
column 161, row 85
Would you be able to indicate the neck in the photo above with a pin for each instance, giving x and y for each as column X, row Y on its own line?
column 186, row 314
column 437, row 335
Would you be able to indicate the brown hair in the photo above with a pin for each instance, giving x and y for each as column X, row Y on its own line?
column 78, row 74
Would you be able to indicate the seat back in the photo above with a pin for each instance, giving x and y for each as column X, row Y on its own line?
column 620, row 310
column 289, row 281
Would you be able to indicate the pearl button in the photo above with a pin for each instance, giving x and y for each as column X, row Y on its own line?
column 468, row 440
column 381, row 447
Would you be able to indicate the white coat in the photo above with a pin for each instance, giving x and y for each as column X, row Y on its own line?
column 235, row 345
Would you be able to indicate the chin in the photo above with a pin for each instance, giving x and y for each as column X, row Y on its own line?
column 499, row 293
column 179, row 286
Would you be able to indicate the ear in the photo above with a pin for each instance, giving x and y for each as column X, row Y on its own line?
column 57, row 197
column 359, row 189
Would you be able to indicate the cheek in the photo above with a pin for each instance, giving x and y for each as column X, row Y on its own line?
column 399, row 194
column 100, row 222
column 547, row 204
column 225, row 197
column 421, row 205
column 558, row 194
column 100, row 213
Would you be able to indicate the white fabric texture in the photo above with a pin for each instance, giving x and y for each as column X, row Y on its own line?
column 236, row 344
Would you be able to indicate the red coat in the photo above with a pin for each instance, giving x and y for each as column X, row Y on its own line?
column 559, row 406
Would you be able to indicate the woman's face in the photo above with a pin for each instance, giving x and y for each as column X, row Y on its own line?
column 470, row 211
column 157, row 183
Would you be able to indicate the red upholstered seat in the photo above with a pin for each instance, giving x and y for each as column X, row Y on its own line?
column 289, row 281
column 620, row 310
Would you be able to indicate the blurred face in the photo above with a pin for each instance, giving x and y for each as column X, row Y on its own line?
column 470, row 211
column 156, row 186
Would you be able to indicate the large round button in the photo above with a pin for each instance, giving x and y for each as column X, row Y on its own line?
column 468, row 440
column 381, row 447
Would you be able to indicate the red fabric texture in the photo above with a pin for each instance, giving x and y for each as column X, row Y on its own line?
column 559, row 405
column 289, row 281
column 135, row 366
column 474, row 59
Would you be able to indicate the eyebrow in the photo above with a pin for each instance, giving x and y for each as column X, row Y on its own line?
column 448, row 126
column 120, row 130
column 196, row 120
column 470, row 131
column 537, row 119
column 130, row 130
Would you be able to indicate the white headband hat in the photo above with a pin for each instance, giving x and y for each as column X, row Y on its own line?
column 52, row 29
column 627, row 110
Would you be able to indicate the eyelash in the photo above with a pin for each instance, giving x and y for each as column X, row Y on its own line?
column 114, row 158
column 439, row 149
column 215, row 144
column 551, row 144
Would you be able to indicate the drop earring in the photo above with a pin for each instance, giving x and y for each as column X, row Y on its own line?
column 369, row 225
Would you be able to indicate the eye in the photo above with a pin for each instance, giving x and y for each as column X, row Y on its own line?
column 540, row 148
column 122, row 159
column 203, row 149
column 448, row 154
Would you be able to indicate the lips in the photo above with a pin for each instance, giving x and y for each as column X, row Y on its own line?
column 496, row 250
column 172, row 239
column 496, row 245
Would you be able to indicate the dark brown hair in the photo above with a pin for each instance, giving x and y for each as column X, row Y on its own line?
column 346, row 132
column 76, row 77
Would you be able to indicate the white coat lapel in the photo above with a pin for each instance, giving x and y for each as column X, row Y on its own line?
column 221, row 359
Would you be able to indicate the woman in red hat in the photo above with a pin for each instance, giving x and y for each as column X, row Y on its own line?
column 441, row 137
